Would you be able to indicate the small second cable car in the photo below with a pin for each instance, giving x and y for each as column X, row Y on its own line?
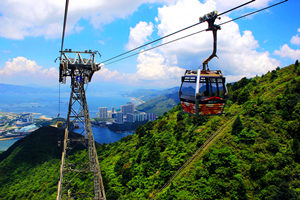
column 203, row 92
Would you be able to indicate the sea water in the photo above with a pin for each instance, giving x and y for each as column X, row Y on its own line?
column 101, row 135
column 5, row 144
column 105, row 135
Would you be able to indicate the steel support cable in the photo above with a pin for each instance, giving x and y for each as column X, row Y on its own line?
column 154, row 41
column 154, row 47
column 235, row 8
column 64, row 27
column 61, row 49
column 122, row 54
column 254, row 12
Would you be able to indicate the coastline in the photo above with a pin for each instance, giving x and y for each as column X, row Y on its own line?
column 137, row 100
column 10, row 138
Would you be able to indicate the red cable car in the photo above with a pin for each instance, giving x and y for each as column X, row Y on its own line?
column 203, row 92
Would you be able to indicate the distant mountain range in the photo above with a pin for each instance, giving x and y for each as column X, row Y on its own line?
column 156, row 101
column 148, row 94
column 19, row 89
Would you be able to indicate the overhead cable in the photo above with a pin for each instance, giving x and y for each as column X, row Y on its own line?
column 64, row 26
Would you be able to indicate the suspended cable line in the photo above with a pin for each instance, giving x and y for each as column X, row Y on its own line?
column 180, row 38
column 254, row 12
column 235, row 8
column 61, row 49
column 64, row 26
column 139, row 47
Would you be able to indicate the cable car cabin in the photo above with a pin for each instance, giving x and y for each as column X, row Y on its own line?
column 59, row 124
column 208, row 94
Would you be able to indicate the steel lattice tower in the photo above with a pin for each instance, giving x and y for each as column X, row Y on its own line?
column 74, row 172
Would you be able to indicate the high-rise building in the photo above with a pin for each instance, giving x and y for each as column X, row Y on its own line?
column 131, row 117
column 128, row 108
column 109, row 114
column 112, row 109
column 151, row 116
column 119, row 118
column 24, row 119
column 103, row 113
column 141, row 117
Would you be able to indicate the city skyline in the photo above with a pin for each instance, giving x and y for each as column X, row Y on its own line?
column 126, row 113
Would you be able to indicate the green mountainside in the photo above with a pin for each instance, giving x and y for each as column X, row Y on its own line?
column 29, row 169
column 254, row 157
column 160, row 105
column 148, row 94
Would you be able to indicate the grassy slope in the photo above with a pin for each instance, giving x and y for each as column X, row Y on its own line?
column 256, row 160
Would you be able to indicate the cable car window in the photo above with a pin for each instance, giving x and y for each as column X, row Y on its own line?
column 221, row 87
column 188, row 91
column 203, row 89
column 213, row 87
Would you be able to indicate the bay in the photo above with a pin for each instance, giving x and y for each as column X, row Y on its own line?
column 101, row 135
column 105, row 135
column 5, row 144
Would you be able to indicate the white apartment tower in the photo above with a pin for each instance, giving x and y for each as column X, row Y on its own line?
column 103, row 113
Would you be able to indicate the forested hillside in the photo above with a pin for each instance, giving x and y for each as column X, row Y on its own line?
column 160, row 105
column 255, row 158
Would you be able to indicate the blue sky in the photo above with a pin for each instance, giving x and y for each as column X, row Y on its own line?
column 30, row 38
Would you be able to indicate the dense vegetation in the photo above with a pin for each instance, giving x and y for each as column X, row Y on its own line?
column 160, row 105
column 29, row 169
column 256, row 158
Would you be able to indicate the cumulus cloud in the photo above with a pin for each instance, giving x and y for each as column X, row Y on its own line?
column 225, row 5
column 296, row 39
column 106, row 75
column 19, row 18
column 21, row 69
column 139, row 34
column 286, row 52
column 154, row 66
column 152, row 69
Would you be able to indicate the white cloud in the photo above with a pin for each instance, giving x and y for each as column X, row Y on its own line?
column 20, row 70
column 152, row 70
column 296, row 39
column 286, row 52
column 154, row 66
column 225, row 5
column 105, row 74
column 19, row 18
column 139, row 34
